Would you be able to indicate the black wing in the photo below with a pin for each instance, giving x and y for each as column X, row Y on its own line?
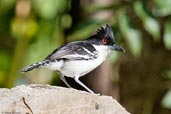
column 75, row 51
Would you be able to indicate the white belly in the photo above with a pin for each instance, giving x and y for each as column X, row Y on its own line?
column 80, row 68
column 71, row 68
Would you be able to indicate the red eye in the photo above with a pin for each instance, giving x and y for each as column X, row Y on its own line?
column 104, row 41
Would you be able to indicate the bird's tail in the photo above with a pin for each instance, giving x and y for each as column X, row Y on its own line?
column 34, row 66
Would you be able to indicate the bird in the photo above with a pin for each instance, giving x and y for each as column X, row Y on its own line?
column 78, row 58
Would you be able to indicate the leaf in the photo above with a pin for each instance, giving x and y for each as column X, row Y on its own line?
column 48, row 9
column 96, row 7
column 162, row 7
column 66, row 21
column 6, row 6
column 167, row 74
column 132, row 36
column 150, row 24
column 166, row 101
column 167, row 34
column 5, row 60
column 139, row 10
column 84, row 30
column 152, row 27
column 23, row 28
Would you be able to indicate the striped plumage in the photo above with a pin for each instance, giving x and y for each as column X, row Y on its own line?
column 75, row 59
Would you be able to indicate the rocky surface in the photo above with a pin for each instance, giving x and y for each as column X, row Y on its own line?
column 46, row 99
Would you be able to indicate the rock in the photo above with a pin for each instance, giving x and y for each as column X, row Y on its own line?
column 46, row 99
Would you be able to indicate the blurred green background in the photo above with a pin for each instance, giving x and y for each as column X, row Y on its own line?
column 139, row 79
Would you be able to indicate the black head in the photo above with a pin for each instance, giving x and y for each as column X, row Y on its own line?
column 105, row 36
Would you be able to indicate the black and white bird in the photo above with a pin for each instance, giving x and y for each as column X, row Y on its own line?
column 75, row 59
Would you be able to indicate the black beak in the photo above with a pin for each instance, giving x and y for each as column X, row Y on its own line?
column 117, row 48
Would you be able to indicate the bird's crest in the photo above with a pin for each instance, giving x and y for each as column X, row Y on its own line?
column 100, row 31
column 107, row 31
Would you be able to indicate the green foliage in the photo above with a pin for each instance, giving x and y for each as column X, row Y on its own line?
column 149, row 23
column 162, row 8
column 49, row 9
column 84, row 29
column 35, row 26
column 166, row 101
column 6, row 6
column 131, row 35
column 20, row 28
column 167, row 34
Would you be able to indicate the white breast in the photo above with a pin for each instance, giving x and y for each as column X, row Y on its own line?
column 77, row 67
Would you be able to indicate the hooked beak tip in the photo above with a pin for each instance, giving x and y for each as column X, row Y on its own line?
column 123, row 50
column 117, row 48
